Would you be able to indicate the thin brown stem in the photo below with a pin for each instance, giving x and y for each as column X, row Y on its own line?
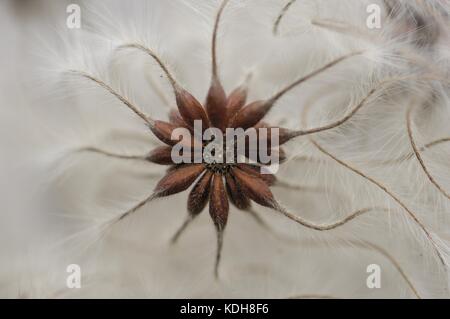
column 218, row 253
column 331, row 226
column 393, row 261
column 436, row 142
column 181, row 230
column 309, row 159
column 102, row 84
column 108, row 225
column 214, row 40
column 419, row 156
column 296, row 83
column 136, row 207
column 285, row 184
column 111, row 154
column 389, row 193
column 158, row 60
column 364, row 244
column 389, row 7
column 358, row 243
column 384, row 189
column 118, row 134
column 391, row 161
column 338, row 122
column 158, row 90
column 280, row 16
column 349, row 115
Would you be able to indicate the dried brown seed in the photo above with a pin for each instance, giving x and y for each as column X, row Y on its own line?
column 236, row 195
column 277, row 153
column 161, row 155
column 191, row 109
column 236, row 101
column 216, row 103
column 218, row 203
column 199, row 195
column 178, row 179
column 284, row 134
column 176, row 119
column 255, row 188
column 251, row 114
column 255, row 170
column 163, row 131
column 262, row 124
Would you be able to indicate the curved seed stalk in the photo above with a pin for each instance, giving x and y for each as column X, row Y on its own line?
column 380, row 162
column 96, row 150
column 181, row 230
column 303, row 79
column 358, row 243
column 324, row 227
column 218, row 253
column 280, row 16
column 340, row 121
column 188, row 106
column 254, row 112
column 419, row 156
column 158, row 90
column 251, row 212
column 364, row 244
column 214, row 39
column 136, row 207
column 410, row 213
column 303, row 188
column 155, row 57
column 293, row 134
column 122, row 99
column 384, row 189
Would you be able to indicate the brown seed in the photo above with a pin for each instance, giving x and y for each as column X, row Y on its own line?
column 216, row 103
column 255, row 188
column 163, row 131
column 236, row 101
column 236, row 195
column 284, row 134
column 254, row 170
column 178, row 179
column 275, row 153
column 218, row 203
column 199, row 195
column 190, row 109
column 250, row 115
column 161, row 155
column 176, row 119
column 261, row 124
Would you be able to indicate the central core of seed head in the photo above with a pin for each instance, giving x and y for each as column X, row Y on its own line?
column 221, row 168
column 219, row 157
